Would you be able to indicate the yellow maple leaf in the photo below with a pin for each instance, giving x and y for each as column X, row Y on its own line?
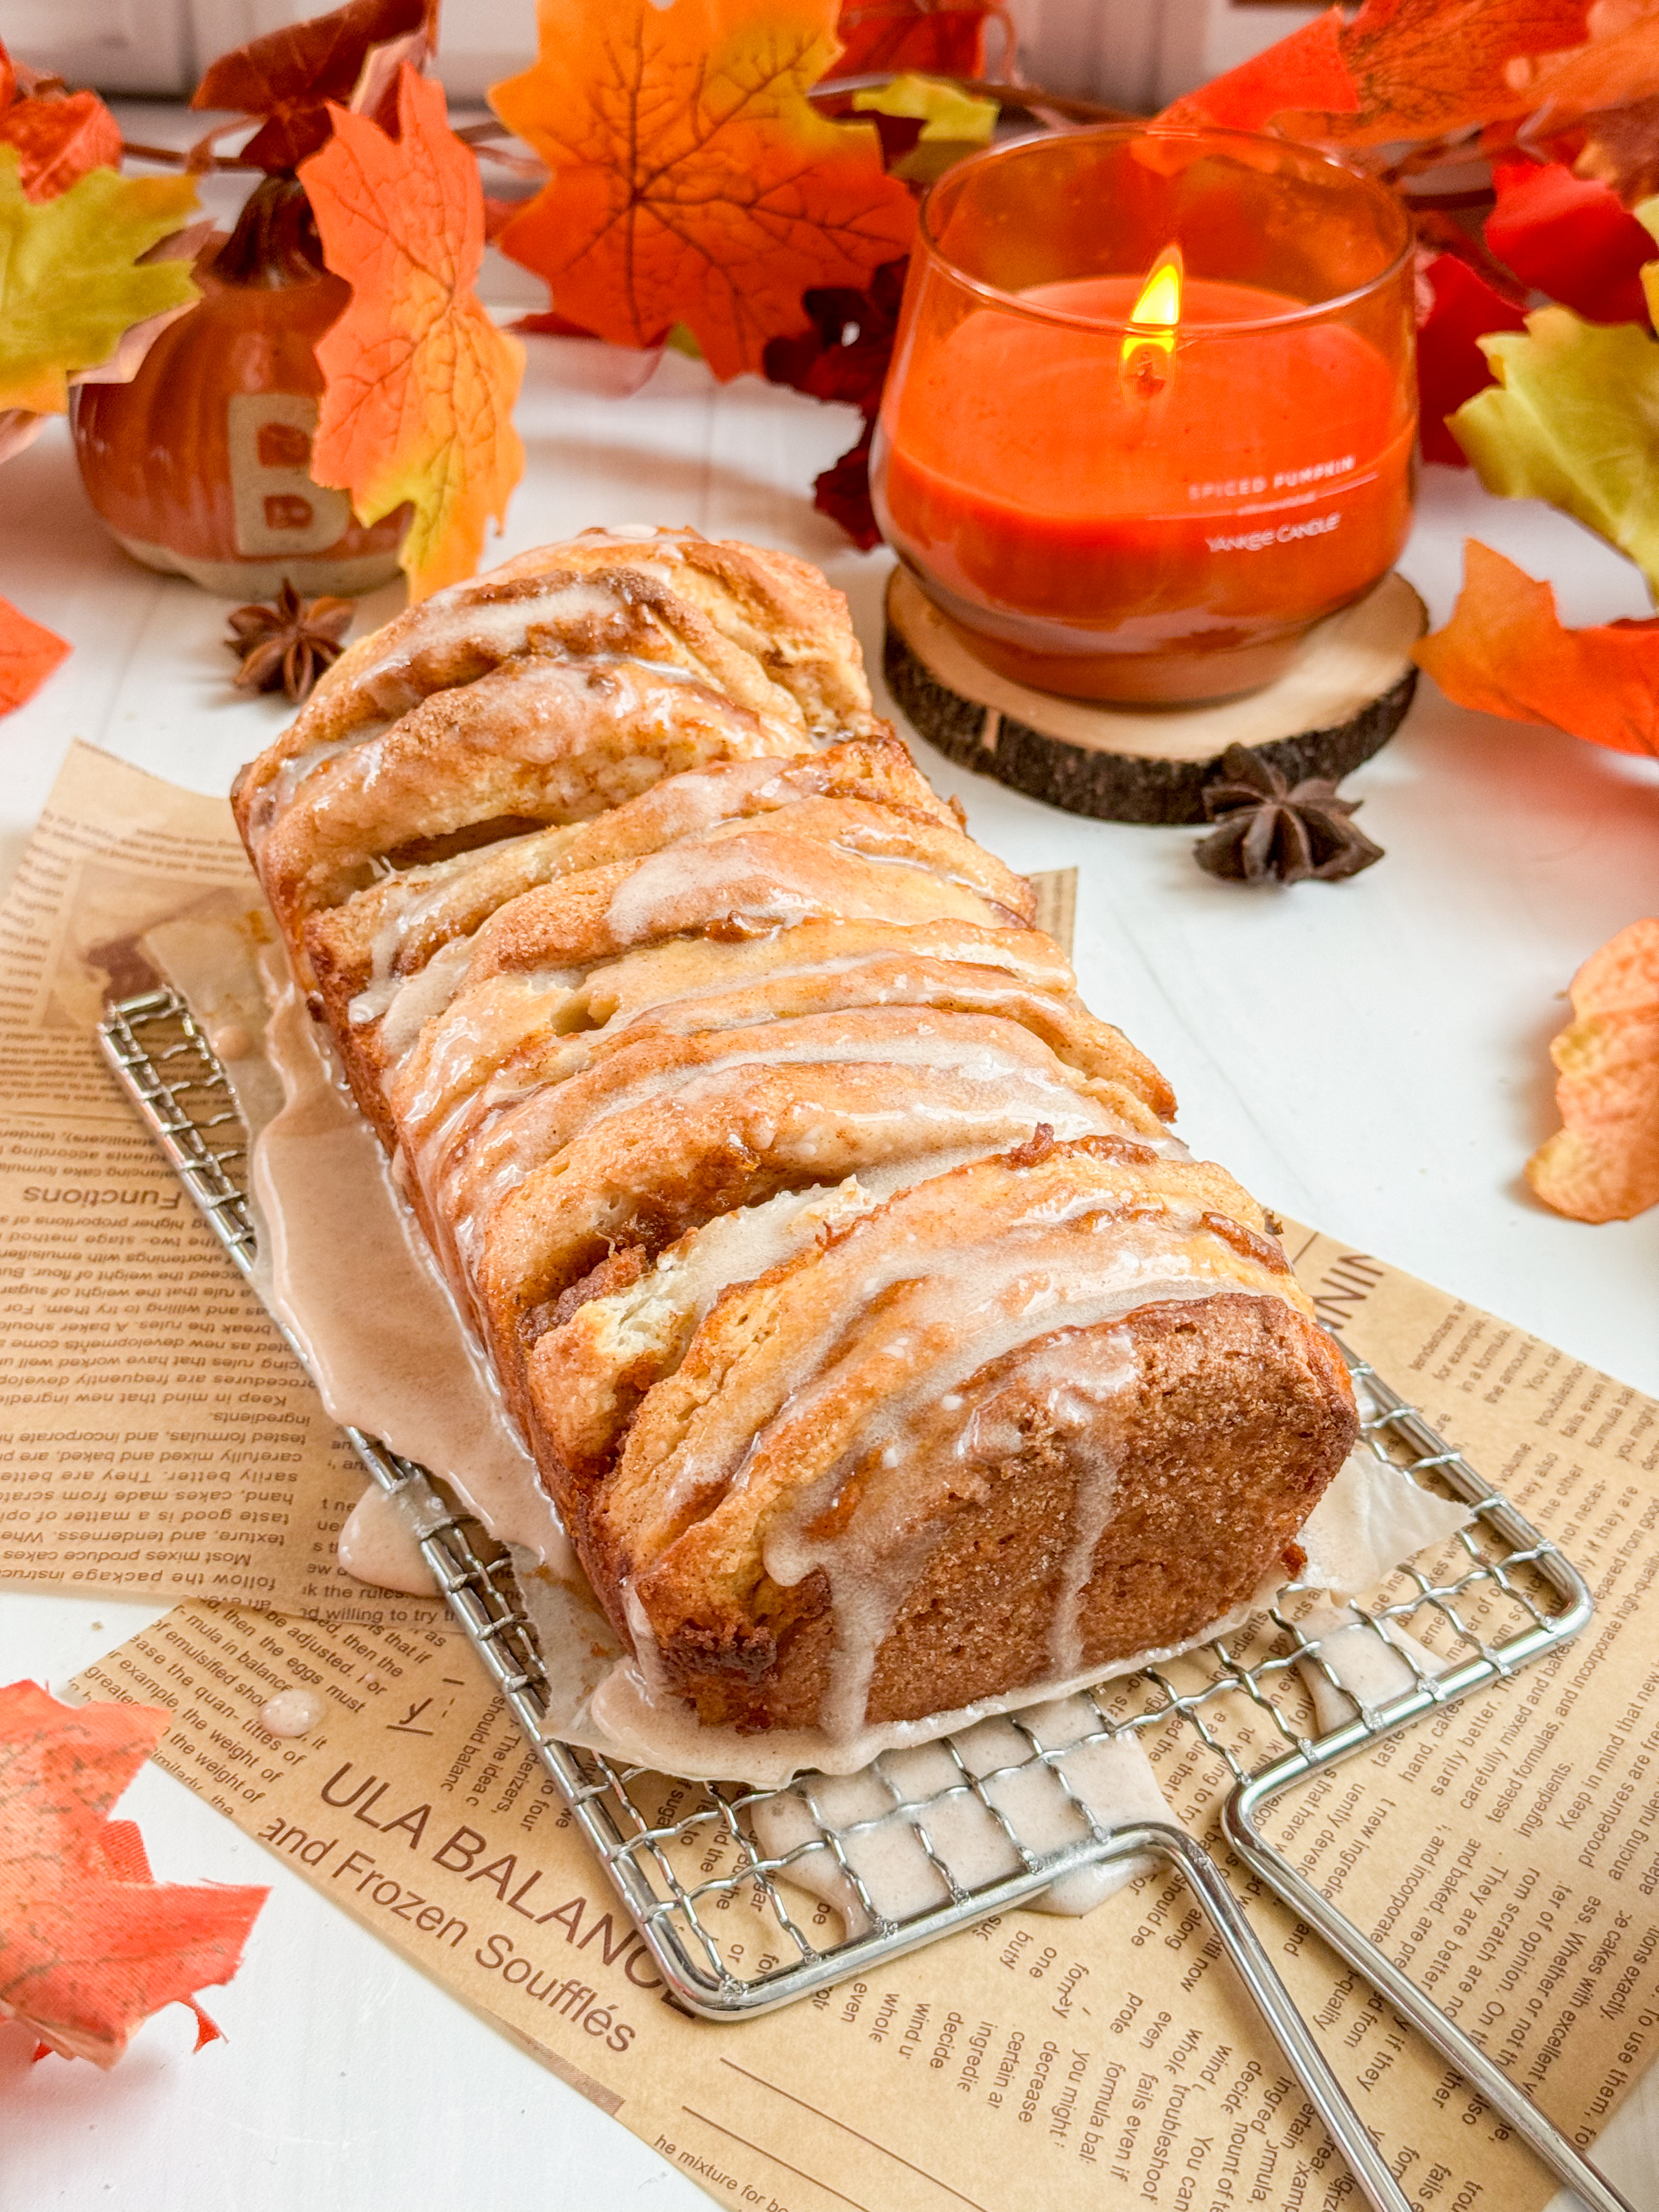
column 692, row 181
column 73, row 280
column 954, row 122
column 417, row 402
column 1573, row 419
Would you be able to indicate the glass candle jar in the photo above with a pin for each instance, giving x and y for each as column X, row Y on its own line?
column 1152, row 408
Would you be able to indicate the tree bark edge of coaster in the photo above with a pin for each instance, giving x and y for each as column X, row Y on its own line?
column 1339, row 704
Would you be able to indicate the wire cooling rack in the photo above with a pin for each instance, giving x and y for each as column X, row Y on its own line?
column 750, row 1898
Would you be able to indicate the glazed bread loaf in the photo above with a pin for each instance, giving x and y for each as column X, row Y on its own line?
column 880, row 1346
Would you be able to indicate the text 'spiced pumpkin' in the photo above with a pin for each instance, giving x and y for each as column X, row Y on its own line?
column 201, row 465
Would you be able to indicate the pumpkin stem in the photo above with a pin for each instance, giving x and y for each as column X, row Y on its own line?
column 274, row 241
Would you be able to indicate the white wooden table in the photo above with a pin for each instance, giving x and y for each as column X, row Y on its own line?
column 1369, row 1056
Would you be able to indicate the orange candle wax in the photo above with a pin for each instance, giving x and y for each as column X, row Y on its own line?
column 1098, row 538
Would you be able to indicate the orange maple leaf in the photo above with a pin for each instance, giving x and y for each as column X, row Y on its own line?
column 59, row 135
column 417, row 401
column 1602, row 1165
column 692, row 182
column 1304, row 71
column 28, row 653
column 89, row 1945
column 1505, row 652
column 1425, row 67
column 1407, row 68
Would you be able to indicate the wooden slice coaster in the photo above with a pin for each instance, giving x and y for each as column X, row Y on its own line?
column 1340, row 702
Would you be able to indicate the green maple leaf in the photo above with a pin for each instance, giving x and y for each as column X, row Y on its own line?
column 1573, row 419
column 72, row 280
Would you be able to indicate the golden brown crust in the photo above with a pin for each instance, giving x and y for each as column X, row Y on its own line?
column 762, row 626
column 513, row 1030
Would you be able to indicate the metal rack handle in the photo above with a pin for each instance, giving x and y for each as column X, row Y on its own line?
column 1506, row 2098
column 1276, row 2005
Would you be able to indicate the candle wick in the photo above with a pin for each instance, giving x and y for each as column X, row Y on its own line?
column 1148, row 342
column 1146, row 368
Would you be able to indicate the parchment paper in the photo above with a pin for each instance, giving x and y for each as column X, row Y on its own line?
column 156, row 1439
column 1508, row 1852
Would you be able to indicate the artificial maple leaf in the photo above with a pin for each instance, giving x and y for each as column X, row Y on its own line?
column 1457, row 307
column 1423, row 69
column 59, row 134
column 842, row 492
column 1573, row 419
column 73, row 278
column 419, row 383
column 89, row 1945
column 290, row 75
column 1505, row 652
column 941, row 38
column 1401, row 70
column 28, row 653
column 950, row 125
column 844, row 358
column 1603, row 1164
column 1303, row 72
column 1615, row 66
column 692, row 181
column 1621, row 151
column 1569, row 238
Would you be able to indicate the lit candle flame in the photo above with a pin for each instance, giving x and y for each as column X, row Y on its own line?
column 1149, row 341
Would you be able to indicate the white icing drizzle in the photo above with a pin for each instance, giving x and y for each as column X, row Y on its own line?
column 1373, row 1664
column 379, row 1545
column 873, row 1562
column 404, row 1005
column 465, row 1193
column 291, row 1713
column 464, row 1058
column 619, row 1718
column 668, row 889
column 1111, row 1777
column 1074, row 1396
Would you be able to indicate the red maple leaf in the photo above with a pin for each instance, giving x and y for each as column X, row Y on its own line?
column 937, row 38
column 89, row 1945
column 290, row 75
column 1402, row 70
column 1569, row 237
column 1457, row 307
column 845, row 357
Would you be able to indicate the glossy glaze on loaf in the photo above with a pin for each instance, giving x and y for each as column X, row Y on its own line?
column 878, row 1343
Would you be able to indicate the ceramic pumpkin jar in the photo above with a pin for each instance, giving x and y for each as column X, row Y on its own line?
column 201, row 465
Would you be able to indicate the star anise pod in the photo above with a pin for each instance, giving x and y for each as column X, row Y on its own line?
column 1270, row 828
column 286, row 645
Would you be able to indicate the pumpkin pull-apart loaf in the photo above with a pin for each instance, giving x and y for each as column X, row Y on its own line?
column 879, row 1344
